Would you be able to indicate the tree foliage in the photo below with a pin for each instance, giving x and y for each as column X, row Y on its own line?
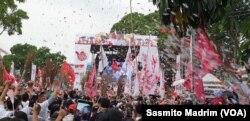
column 23, row 55
column 11, row 17
column 139, row 24
column 232, row 30
column 184, row 13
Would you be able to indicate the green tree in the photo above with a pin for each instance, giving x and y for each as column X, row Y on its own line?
column 11, row 17
column 232, row 30
column 184, row 13
column 44, row 53
column 24, row 55
column 142, row 24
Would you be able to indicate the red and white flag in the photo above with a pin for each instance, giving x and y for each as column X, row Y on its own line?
column 209, row 59
column 66, row 69
column 7, row 76
column 205, row 51
column 91, row 85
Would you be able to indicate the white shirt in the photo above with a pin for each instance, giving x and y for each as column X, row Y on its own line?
column 44, row 110
column 4, row 113
column 68, row 117
column 25, row 103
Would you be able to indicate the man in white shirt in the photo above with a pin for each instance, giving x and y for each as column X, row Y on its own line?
column 3, row 112
column 43, row 103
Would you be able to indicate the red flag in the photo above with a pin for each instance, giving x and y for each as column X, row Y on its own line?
column 90, row 85
column 68, row 70
column 205, row 52
column 92, row 75
column 199, row 89
column 197, row 80
column 7, row 76
column 187, row 84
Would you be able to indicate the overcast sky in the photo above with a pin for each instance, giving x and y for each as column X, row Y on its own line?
column 55, row 23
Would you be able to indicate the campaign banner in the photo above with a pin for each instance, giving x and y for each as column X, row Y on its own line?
column 33, row 72
column 82, row 58
column 118, row 39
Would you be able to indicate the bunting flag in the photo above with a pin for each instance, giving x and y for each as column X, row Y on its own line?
column 33, row 72
column 104, row 60
column 68, row 70
column 91, row 85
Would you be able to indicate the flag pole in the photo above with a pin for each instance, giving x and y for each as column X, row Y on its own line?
column 102, row 80
column 191, row 61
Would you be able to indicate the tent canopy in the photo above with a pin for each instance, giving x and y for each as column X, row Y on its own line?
column 210, row 78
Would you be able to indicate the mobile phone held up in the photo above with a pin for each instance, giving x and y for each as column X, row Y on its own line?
column 83, row 111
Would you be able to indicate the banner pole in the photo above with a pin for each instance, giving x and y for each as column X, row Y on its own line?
column 191, row 61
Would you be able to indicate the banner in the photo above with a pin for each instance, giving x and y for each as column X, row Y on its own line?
column 152, row 73
column 116, row 39
column 82, row 57
column 33, row 72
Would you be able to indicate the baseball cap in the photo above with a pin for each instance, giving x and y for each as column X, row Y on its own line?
column 72, row 107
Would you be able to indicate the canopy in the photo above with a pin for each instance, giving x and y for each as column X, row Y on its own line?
column 210, row 78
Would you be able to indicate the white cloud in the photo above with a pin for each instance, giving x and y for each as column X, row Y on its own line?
column 55, row 23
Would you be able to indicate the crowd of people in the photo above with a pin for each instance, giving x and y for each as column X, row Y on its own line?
column 27, row 102
column 30, row 104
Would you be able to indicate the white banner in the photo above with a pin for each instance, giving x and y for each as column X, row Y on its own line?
column 103, row 60
column 12, row 68
column 33, row 72
column 152, row 73
column 82, row 57
column 178, row 68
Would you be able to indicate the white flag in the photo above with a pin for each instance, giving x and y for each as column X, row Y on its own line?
column 104, row 60
column 33, row 72
column 178, row 68
column 12, row 69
